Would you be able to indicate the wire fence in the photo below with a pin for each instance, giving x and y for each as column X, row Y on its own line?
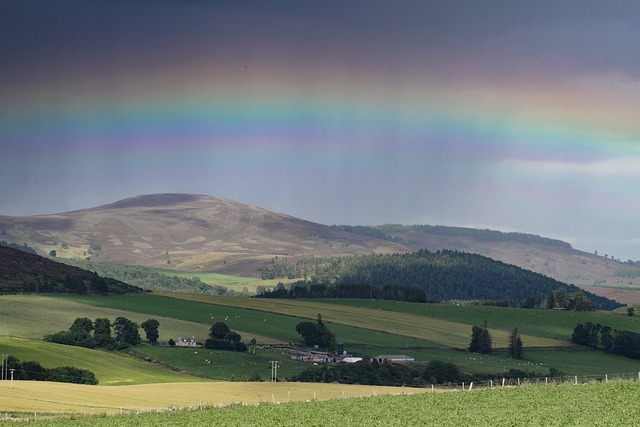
column 538, row 381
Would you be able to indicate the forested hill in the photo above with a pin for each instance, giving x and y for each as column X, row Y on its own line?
column 22, row 271
column 443, row 275
column 407, row 234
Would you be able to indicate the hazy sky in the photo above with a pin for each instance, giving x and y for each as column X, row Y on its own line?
column 511, row 115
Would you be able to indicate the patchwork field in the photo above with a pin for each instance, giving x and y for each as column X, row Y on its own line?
column 367, row 328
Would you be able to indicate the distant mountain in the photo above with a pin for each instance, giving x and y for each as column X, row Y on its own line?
column 185, row 232
column 203, row 233
column 22, row 271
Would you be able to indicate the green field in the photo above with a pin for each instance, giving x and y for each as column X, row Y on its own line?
column 554, row 324
column 111, row 368
column 453, row 333
column 611, row 404
column 239, row 284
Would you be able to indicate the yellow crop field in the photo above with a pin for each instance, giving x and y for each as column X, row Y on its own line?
column 422, row 327
column 60, row 398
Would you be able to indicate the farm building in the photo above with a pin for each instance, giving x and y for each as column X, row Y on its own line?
column 393, row 358
column 320, row 357
column 186, row 342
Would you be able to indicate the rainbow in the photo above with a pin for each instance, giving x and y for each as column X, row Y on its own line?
column 221, row 113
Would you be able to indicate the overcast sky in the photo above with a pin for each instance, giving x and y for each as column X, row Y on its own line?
column 511, row 115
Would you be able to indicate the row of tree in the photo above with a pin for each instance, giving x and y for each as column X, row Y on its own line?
column 101, row 333
column 614, row 341
column 383, row 374
column 481, row 342
column 435, row 372
column 303, row 289
column 149, row 279
column 560, row 299
column 33, row 371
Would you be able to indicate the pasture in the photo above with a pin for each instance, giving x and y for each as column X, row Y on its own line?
column 419, row 326
column 111, row 368
column 553, row 324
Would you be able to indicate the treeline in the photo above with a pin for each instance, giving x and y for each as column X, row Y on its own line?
column 303, row 289
column 24, row 247
column 395, row 233
column 33, row 371
column 151, row 280
column 89, row 334
column 560, row 299
column 443, row 275
column 363, row 230
column 387, row 374
column 614, row 341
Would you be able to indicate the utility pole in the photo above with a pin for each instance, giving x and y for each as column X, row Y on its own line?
column 274, row 371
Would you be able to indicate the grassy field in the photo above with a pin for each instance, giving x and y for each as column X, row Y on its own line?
column 280, row 327
column 225, row 365
column 239, row 284
column 411, row 329
column 34, row 316
column 554, row 324
column 610, row 404
column 444, row 332
column 110, row 368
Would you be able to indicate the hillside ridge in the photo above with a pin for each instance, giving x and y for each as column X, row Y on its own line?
column 22, row 271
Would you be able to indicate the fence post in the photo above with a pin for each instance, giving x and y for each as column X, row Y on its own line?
column 575, row 380
column 546, row 381
column 490, row 383
column 503, row 383
column 470, row 386
column 606, row 378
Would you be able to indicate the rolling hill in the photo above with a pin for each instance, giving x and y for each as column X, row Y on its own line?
column 598, row 273
column 197, row 233
column 185, row 232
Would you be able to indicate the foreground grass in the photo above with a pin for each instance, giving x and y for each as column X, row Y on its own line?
column 611, row 404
